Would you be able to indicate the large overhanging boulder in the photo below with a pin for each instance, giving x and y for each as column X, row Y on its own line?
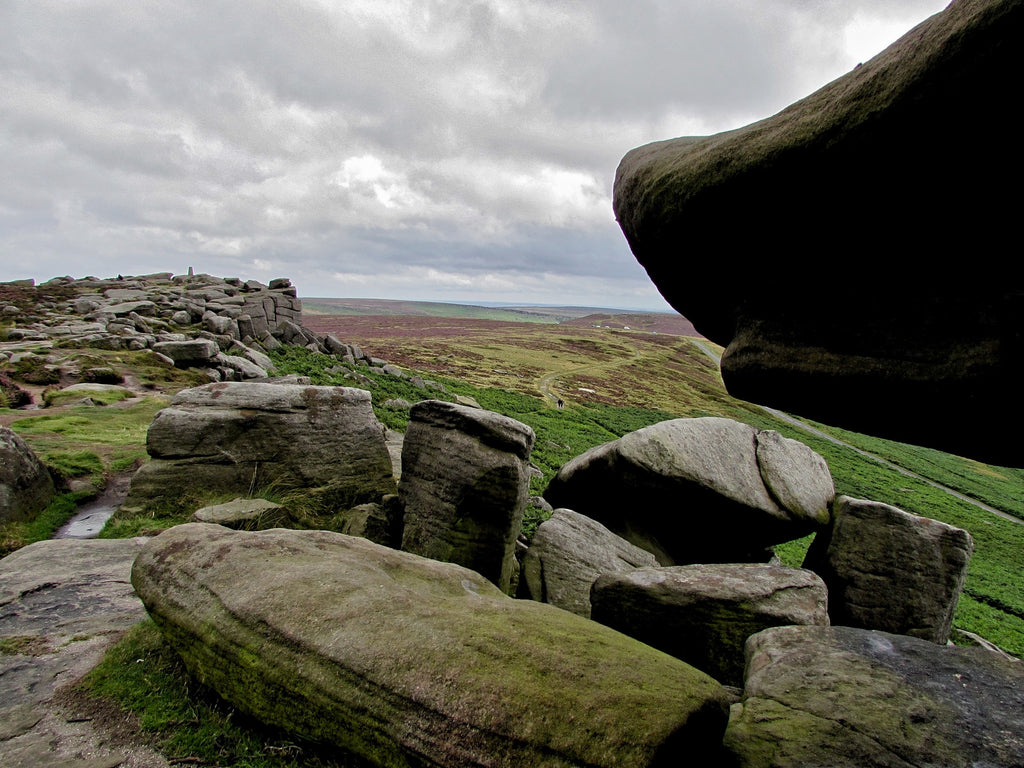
column 409, row 661
column 847, row 250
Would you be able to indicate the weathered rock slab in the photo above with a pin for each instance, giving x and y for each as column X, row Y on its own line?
column 699, row 490
column 193, row 352
column 236, row 437
column 703, row 614
column 854, row 698
column 409, row 661
column 62, row 604
column 567, row 554
column 890, row 570
column 465, row 481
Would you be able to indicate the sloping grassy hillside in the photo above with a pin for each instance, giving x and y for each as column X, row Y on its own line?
column 993, row 605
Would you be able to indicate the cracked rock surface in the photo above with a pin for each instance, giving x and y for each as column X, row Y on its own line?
column 840, row 696
column 62, row 604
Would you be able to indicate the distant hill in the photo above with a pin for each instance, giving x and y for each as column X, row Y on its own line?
column 652, row 322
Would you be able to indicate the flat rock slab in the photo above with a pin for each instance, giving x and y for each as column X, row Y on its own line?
column 62, row 604
column 844, row 697
column 244, row 514
column 409, row 661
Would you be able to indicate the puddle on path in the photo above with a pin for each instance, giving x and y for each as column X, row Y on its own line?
column 93, row 515
column 86, row 524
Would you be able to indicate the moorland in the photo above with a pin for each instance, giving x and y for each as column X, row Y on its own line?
column 612, row 373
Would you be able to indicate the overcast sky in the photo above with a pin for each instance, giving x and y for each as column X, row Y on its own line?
column 448, row 150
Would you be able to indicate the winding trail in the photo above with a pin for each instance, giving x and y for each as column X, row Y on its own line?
column 866, row 454
column 546, row 382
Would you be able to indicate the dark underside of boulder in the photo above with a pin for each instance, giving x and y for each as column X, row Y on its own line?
column 848, row 251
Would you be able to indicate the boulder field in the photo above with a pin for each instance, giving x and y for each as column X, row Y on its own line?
column 408, row 660
column 661, row 538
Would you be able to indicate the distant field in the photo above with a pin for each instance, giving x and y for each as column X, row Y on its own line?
column 389, row 307
column 654, row 322
column 577, row 362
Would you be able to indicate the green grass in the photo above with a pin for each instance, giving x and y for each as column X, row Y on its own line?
column 73, row 464
column 998, row 487
column 56, row 397
column 185, row 721
column 21, row 533
column 115, row 436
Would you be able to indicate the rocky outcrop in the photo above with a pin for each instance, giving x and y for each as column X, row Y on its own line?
column 854, row 175
column 853, row 698
column 887, row 569
column 231, row 438
column 699, row 490
column 703, row 614
column 221, row 326
column 465, row 481
column 407, row 661
column 26, row 487
column 567, row 554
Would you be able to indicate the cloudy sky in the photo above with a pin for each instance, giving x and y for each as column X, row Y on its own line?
column 457, row 150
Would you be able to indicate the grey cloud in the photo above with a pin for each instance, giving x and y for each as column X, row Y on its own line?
column 486, row 134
